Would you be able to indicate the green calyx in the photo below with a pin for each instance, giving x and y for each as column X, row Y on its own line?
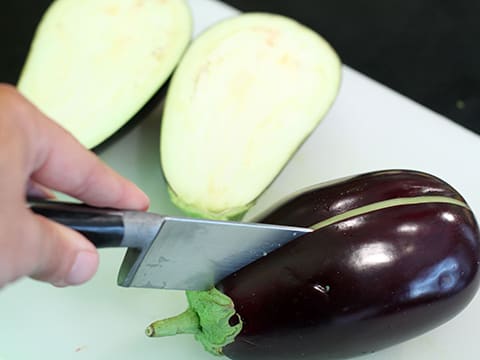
column 192, row 210
column 207, row 318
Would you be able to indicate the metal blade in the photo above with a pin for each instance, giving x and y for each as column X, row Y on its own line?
column 194, row 254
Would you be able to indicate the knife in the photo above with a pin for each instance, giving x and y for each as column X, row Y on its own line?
column 170, row 252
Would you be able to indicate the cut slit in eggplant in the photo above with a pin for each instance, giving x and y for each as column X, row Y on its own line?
column 93, row 64
column 244, row 97
column 405, row 262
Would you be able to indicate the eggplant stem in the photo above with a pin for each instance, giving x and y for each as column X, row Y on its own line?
column 184, row 323
column 207, row 318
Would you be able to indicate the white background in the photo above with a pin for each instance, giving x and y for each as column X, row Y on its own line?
column 370, row 127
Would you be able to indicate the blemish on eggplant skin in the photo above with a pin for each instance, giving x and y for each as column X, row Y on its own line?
column 234, row 320
column 324, row 289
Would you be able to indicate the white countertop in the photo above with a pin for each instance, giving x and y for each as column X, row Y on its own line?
column 370, row 127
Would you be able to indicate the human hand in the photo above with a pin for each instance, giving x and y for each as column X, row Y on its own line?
column 37, row 155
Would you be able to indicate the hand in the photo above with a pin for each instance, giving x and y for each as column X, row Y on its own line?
column 37, row 155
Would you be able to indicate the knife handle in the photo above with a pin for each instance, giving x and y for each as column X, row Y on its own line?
column 103, row 227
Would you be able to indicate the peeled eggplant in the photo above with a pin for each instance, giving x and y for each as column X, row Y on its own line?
column 393, row 255
column 93, row 64
column 247, row 93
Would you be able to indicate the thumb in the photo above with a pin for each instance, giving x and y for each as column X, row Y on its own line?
column 60, row 255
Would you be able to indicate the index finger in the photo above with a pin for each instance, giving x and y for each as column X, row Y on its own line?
column 58, row 161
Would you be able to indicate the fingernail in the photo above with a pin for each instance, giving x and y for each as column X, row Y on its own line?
column 83, row 268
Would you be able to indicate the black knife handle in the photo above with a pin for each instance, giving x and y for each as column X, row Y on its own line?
column 103, row 227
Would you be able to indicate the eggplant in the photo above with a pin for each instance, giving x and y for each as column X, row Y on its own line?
column 94, row 64
column 394, row 254
column 244, row 97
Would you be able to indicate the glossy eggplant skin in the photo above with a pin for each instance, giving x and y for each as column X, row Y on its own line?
column 324, row 201
column 360, row 284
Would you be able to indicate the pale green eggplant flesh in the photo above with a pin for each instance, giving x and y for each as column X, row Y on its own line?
column 93, row 64
column 244, row 97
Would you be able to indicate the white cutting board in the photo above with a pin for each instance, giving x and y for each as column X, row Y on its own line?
column 370, row 127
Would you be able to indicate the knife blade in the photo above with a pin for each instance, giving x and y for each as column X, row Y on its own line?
column 170, row 252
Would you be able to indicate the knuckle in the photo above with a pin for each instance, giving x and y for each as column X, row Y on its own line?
column 85, row 185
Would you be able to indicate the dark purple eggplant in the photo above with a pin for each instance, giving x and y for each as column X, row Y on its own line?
column 394, row 254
